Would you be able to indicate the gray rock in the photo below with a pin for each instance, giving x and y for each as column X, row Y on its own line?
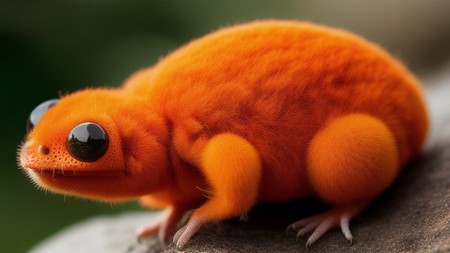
column 411, row 216
column 113, row 234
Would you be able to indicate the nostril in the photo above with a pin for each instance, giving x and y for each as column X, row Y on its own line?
column 44, row 150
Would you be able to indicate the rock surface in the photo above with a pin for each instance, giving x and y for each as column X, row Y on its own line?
column 411, row 216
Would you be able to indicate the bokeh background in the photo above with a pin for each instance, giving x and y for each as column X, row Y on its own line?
column 59, row 46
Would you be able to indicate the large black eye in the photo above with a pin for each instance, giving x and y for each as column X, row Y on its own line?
column 87, row 142
column 37, row 113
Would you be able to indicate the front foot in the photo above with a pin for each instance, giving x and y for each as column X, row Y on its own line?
column 164, row 224
column 338, row 217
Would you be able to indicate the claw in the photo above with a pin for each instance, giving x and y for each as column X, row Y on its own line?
column 244, row 218
column 308, row 245
column 290, row 228
column 301, row 233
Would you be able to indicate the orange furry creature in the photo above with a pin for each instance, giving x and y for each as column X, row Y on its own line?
column 270, row 111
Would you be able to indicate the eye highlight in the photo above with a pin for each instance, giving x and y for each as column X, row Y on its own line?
column 87, row 142
column 38, row 112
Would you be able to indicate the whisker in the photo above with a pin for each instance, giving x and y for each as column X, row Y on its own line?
column 207, row 194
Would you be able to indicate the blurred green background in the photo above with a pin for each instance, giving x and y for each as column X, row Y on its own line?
column 47, row 47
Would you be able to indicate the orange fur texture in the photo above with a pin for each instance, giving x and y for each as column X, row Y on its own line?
column 270, row 111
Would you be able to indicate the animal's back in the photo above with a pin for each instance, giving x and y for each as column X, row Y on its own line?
column 278, row 83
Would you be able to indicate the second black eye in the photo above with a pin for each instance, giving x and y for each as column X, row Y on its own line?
column 37, row 113
column 87, row 142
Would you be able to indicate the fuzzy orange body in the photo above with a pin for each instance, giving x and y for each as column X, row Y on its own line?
column 287, row 109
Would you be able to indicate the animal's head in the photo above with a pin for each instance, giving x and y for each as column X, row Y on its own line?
column 98, row 144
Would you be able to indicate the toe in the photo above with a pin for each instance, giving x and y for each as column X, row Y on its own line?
column 178, row 234
column 146, row 230
column 183, row 235
column 320, row 230
column 345, row 220
column 308, row 228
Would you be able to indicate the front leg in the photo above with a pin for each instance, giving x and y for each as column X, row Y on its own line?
column 232, row 168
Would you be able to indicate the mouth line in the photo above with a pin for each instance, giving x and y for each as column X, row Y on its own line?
column 76, row 173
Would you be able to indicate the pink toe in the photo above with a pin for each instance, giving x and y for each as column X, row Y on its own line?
column 182, row 237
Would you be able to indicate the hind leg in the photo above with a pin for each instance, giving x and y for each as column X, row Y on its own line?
column 350, row 161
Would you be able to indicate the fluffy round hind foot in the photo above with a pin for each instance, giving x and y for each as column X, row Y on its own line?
column 322, row 223
column 351, row 160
